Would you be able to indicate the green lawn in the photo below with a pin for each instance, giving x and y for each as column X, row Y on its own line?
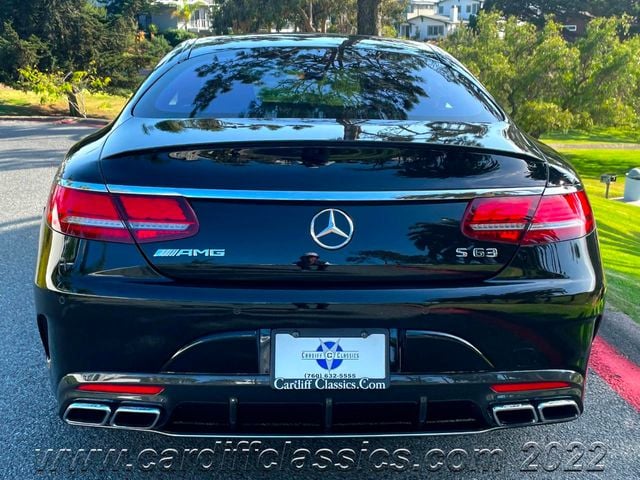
column 618, row 223
column 595, row 135
column 17, row 103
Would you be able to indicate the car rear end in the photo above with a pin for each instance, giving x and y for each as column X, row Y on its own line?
column 314, row 282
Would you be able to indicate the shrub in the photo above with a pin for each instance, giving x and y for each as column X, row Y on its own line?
column 541, row 117
column 175, row 36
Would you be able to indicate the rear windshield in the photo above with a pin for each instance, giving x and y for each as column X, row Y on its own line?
column 335, row 83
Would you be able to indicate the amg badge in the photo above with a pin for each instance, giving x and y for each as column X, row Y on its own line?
column 190, row 252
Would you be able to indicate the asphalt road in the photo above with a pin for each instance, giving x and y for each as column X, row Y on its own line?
column 29, row 154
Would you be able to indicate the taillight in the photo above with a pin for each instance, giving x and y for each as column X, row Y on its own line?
column 561, row 217
column 114, row 218
column 529, row 220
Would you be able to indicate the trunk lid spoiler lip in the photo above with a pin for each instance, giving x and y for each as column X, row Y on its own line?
column 134, row 134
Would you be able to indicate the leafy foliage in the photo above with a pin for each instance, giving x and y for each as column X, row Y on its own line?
column 51, row 86
column 69, row 35
column 16, row 53
column 538, row 11
column 175, row 36
column 547, row 83
column 248, row 16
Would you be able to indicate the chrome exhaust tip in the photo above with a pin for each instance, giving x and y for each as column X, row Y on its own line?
column 515, row 414
column 558, row 410
column 135, row 417
column 90, row 414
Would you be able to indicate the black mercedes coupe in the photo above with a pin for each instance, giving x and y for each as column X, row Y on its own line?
column 316, row 235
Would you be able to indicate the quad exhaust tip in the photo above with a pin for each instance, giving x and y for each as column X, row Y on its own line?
column 99, row 415
column 558, row 410
column 515, row 414
column 526, row 414
column 135, row 417
column 91, row 414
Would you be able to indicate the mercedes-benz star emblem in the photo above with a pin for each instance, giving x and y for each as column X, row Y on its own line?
column 338, row 230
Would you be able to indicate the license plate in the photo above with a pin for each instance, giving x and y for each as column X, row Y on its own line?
column 330, row 360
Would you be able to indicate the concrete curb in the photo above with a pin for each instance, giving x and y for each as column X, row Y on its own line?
column 54, row 118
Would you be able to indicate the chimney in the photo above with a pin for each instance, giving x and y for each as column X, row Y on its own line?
column 454, row 13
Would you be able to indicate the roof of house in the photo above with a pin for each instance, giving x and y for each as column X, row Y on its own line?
column 437, row 18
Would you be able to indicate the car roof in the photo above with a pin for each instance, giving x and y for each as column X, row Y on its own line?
column 206, row 45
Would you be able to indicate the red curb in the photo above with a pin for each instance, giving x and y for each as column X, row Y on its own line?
column 622, row 375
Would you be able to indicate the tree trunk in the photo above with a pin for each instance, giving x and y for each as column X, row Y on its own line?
column 74, row 99
column 368, row 19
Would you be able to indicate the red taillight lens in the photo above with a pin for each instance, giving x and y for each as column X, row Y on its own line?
column 119, row 388
column 529, row 220
column 529, row 386
column 86, row 215
column 499, row 219
column 560, row 217
column 102, row 216
column 152, row 219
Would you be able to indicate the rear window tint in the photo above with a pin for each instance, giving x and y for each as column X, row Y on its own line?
column 335, row 83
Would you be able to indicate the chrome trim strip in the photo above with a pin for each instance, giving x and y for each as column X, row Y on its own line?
column 563, row 190
column 315, row 436
column 281, row 195
column 92, row 187
column 325, row 196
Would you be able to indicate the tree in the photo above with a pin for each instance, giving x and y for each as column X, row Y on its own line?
column 72, row 85
column 127, row 8
column 537, row 11
column 16, row 53
column 547, row 83
column 368, row 17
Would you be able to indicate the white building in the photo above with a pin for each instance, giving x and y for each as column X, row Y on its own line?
column 163, row 15
column 422, row 7
column 434, row 19
column 466, row 8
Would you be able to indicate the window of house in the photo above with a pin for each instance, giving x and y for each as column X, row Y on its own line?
column 440, row 10
column 474, row 8
column 435, row 30
column 468, row 8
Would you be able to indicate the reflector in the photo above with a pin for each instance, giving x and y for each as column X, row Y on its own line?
column 119, row 388
column 524, row 387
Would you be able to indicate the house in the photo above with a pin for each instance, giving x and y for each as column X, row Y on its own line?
column 466, row 8
column 432, row 27
column 574, row 25
column 434, row 19
column 422, row 7
column 164, row 15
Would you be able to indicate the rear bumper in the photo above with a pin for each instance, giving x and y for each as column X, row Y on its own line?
column 104, row 317
column 243, row 406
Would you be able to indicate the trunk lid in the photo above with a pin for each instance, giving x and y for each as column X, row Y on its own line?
column 261, row 203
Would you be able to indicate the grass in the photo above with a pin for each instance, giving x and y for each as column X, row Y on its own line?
column 596, row 135
column 17, row 103
column 618, row 223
